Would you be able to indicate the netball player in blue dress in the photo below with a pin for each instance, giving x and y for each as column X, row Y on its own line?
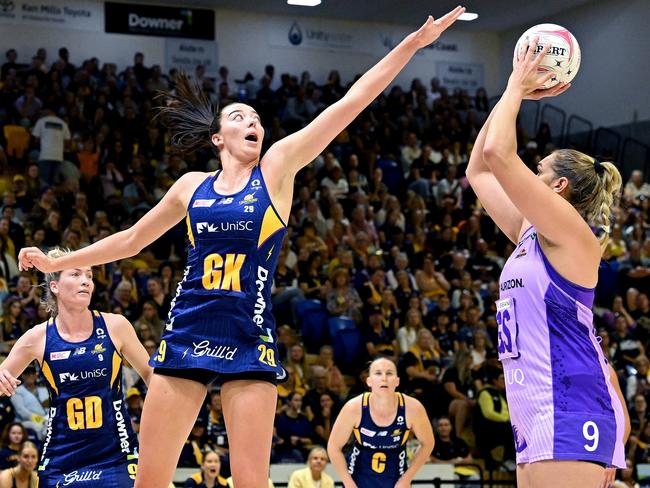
column 381, row 422
column 89, row 440
column 566, row 410
column 220, row 327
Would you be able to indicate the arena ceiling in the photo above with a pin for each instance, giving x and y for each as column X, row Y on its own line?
column 494, row 15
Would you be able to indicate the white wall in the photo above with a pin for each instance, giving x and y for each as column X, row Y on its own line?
column 244, row 45
column 615, row 72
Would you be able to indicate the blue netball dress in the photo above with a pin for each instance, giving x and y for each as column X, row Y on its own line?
column 220, row 319
column 89, row 440
column 378, row 457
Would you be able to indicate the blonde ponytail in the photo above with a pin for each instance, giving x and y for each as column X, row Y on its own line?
column 594, row 187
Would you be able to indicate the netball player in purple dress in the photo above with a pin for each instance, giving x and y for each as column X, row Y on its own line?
column 566, row 412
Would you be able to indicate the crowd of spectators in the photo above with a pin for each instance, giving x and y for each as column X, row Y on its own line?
column 385, row 232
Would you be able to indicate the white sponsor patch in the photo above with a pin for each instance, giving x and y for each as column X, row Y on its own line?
column 368, row 432
column 199, row 202
column 55, row 356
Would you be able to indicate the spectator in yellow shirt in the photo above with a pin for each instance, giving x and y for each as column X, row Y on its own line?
column 314, row 475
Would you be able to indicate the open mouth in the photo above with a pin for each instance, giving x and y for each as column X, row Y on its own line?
column 251, row 137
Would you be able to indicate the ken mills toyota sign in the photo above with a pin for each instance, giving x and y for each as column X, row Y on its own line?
column 151, row 20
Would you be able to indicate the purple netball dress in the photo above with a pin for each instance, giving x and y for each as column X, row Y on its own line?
column 562, row 404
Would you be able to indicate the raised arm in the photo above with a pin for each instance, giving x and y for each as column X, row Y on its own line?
column 341, row 432
column 489, row 191
column 553, row 216
column 289, row 155
column 167, row 213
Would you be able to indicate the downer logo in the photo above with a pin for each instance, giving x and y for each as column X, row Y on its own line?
column 149, row 20
column 155, row 23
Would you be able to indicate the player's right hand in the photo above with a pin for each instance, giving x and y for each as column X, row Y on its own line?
column 8, row 383
column 30, row 257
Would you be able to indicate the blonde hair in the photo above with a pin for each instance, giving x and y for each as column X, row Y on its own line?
column 49, row 299
column 317, row 450
column 593, row 188
column 28, row 445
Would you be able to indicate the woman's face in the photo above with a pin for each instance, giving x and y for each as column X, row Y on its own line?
column 383, row 376
column 425, row 340
column 318, row 461
column 341, row 280
column 326, row 354
column 28, row 458
column 444, row 427
column 241, row 133
column 16, row 435
column 75, row 286
column 15, row 309
column 153, row 287
column 296, row 353
column 639, row 403
column 413, row 317
column 215, row 402
column 148, row 311
column 145, row 331
column 326, row 402
column 211, row 464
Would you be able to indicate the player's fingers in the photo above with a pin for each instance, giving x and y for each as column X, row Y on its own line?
column 545, row 79
column 8, row 377
column 560, row 88
column 538, row 59
column 6, row 387
column 523, row 49
column 532, row 47
column 450, row 17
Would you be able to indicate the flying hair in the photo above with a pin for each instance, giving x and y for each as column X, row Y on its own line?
column 189, row 115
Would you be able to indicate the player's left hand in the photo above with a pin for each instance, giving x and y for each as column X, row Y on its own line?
column 610, row 474
column 432, row 29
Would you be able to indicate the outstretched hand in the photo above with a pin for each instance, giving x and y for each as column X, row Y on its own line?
column 8, row 383
column 432, row 29
column 526, row 79
column 33, row 257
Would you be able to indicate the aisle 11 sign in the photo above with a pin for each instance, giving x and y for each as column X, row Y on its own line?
column 187, row 54
column 466, row 76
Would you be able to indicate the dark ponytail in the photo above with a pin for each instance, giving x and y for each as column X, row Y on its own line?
column 189, row 116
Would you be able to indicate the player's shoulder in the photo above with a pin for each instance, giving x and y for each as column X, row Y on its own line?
column 38, row 331
column 192, row 178
column 413, row 405
column 117, row 324
column 352, row 408
column 355, row 401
